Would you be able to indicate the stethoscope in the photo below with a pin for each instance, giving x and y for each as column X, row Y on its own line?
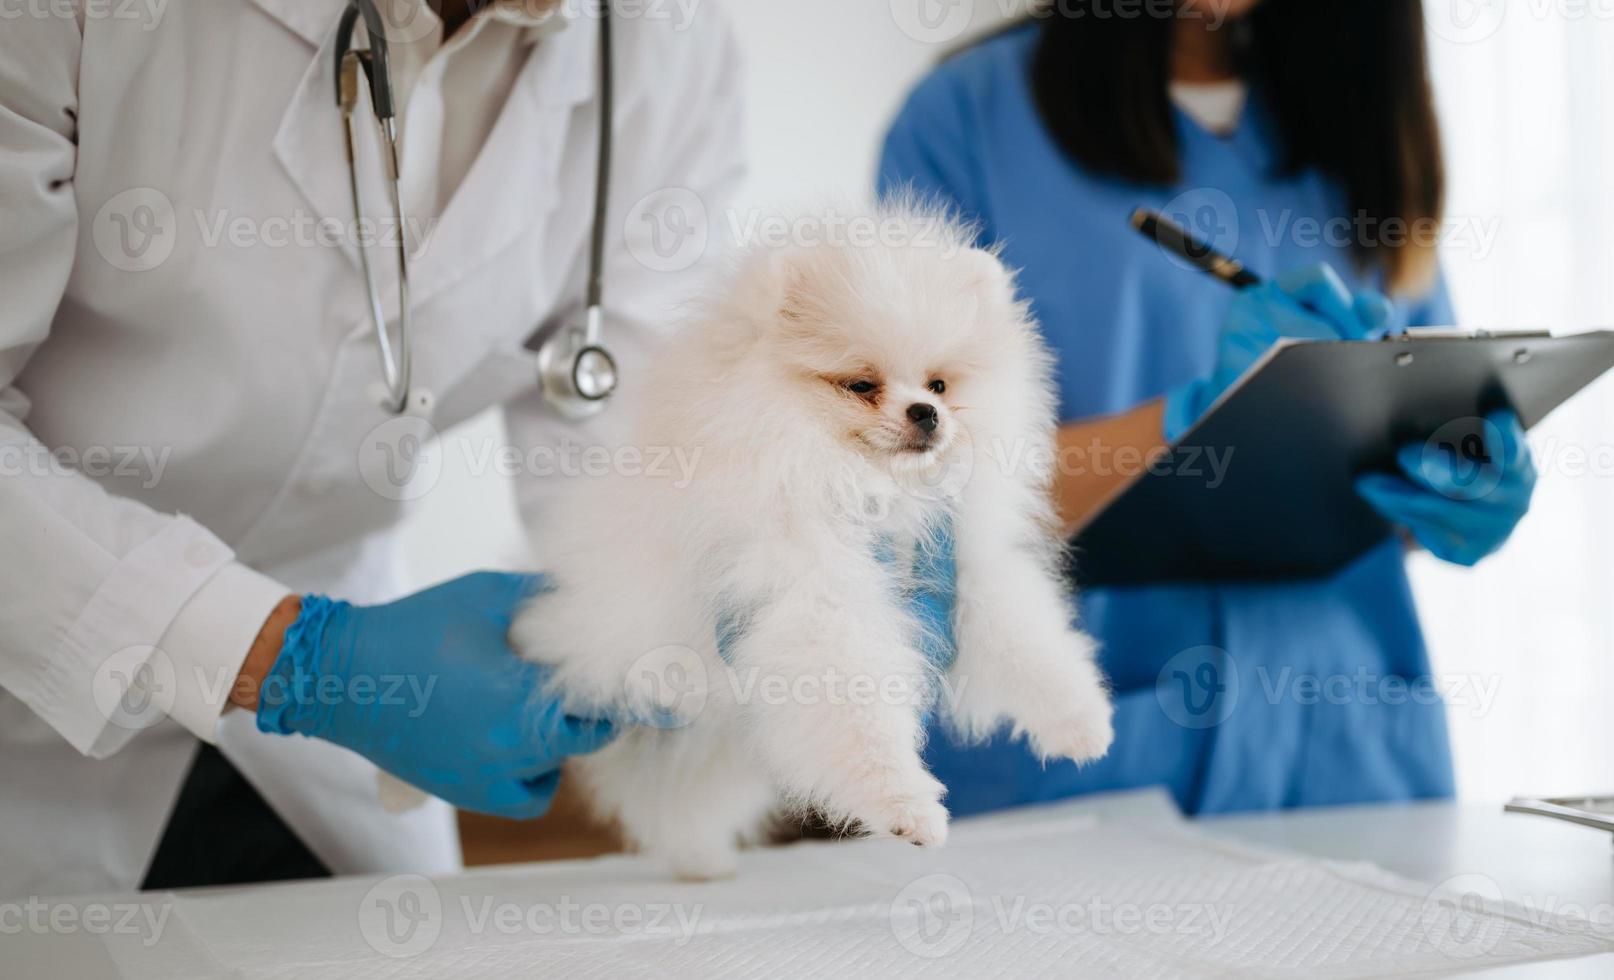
column 575, row 372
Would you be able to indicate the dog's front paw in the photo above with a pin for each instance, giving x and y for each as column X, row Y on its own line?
column 704, row 863
column 913, row 813
column 921, row 822
column 1065, row 709
column 1080, row 738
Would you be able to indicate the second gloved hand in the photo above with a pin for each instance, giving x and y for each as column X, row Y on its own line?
column 1460, row 509
column 1307, row 304
column 429, row 690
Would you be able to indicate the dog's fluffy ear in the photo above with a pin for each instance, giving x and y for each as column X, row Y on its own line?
column 774, row 292
column 758, row 284
column 790, row 269
column 987, row 277
column 786, row 285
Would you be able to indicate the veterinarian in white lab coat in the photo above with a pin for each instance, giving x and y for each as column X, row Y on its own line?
column 188, row 410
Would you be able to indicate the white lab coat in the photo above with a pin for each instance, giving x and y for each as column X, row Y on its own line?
column 231, row 380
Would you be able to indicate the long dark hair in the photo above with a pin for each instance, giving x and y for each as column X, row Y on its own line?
column 1346, row 83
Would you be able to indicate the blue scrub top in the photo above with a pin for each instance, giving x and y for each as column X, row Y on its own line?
column 1237, row 696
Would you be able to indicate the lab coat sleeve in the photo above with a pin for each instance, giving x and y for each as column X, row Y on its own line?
column 94, row 588
column 929, row 151
column 681, row 142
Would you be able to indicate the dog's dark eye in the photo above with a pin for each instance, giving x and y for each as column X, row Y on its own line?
column 938, row 386
column 861, row 387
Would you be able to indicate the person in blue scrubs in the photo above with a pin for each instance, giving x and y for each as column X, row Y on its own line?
column 1291, row 135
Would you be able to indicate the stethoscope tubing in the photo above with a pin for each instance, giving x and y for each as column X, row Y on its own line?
column 376, row 66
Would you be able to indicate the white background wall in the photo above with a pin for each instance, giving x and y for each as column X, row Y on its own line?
column 1526, row 93
column 1525, row 98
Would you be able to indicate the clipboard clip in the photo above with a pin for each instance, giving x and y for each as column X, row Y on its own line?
column 1464, row 333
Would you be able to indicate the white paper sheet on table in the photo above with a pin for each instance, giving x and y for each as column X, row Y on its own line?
column 1055, row 891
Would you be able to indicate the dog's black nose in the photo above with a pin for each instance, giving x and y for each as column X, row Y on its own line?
column 923, row 415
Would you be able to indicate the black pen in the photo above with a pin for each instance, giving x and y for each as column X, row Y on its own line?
column 1173, row 238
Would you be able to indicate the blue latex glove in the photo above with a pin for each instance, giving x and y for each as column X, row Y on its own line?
column 429, row 689
column 1459, row 509
column 1309, row 304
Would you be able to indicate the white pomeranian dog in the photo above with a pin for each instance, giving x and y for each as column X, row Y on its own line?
column 845, row 404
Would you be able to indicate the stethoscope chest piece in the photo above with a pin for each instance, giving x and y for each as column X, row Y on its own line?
column 576, row 375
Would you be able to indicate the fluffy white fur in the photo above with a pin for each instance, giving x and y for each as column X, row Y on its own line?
column 800, row 482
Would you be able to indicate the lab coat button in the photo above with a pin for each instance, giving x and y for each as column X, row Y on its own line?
column 201, row 554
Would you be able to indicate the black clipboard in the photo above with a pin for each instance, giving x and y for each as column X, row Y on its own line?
column 1260, row 489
